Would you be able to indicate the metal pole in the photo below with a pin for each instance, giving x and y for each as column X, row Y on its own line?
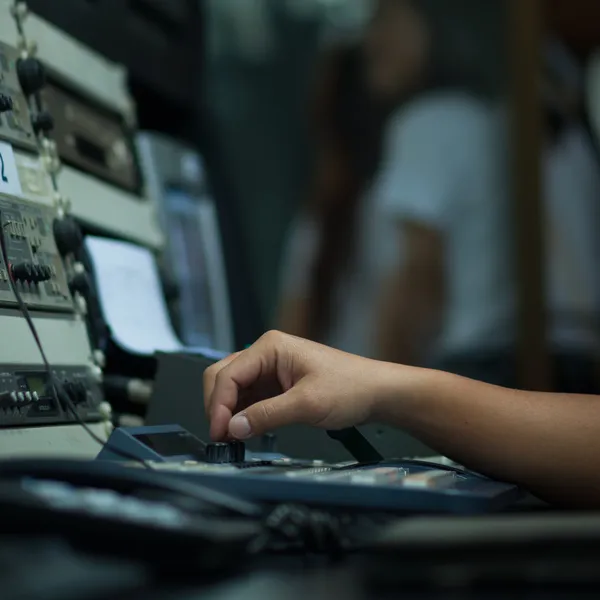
column 526, row 25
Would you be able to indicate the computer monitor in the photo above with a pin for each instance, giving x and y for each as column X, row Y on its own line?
column 192, row 258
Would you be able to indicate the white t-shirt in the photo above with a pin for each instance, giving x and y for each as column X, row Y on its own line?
column 445, row 165
column 449, row 173
column 358, row 288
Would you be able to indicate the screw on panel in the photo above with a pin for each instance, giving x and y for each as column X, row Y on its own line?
column 99, row 358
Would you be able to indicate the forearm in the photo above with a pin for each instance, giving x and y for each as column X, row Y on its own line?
column 548, row 443
column 293, row 317
column 405, row 322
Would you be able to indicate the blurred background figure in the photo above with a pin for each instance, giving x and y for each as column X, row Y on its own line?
column 479, row 334
column 361, row 274
column 403, row 252
column 334, row 253
column 391, row 218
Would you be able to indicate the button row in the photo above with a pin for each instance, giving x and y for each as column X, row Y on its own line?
column 16, row 229
column 22, row 397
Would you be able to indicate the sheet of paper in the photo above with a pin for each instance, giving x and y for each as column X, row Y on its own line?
column 132, row 301
column 131, row 296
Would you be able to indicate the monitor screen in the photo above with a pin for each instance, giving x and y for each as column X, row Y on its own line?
column 189, row 254
column 173, row 444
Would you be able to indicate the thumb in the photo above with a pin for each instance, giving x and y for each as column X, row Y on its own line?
column 267, row 415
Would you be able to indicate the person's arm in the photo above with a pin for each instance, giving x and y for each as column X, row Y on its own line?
column 432, row 148
column 411, row 302
column 294, row 302
column 547, row 443
column 293, row 315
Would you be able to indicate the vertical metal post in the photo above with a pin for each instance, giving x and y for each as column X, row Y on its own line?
column 525, row 47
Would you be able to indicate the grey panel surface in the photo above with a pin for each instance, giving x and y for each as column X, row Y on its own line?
column 178, row 399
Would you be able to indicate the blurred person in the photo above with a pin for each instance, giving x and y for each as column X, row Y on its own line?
column 323, row 266
column 430, row 279
column 411, row 68
column 459, row 239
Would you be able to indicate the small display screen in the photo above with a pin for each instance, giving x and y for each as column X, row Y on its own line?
column 173, row 444
column 37, row 385
column 191, row 266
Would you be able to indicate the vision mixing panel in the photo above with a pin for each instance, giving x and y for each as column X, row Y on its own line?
column 386, row 485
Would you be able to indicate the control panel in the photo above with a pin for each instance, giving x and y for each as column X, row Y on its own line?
column 26, row 397
column 34, row 258
column 15, row 121
column 387, row 485
column 91, row 138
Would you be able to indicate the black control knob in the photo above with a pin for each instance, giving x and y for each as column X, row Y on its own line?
column 80, row 283
column 31, row 74
column 22, row 272
column 237, row 452
column 36, row 273
column 81, row 392
column 6, row 103
column 268, row 443
column 42, row 273
column 218, row 453
column 42, row 122
column 76, row 391
column 67, row 235
column 27, row 271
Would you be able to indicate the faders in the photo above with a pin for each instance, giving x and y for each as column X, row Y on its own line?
column 222, row 453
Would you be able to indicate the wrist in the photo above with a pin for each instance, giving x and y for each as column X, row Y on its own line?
column 401, row 390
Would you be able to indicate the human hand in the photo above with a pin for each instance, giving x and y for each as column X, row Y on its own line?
column 284, row 380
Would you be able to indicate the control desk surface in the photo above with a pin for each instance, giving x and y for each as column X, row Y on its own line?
column 389, row 485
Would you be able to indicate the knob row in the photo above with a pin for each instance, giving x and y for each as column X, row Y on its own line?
column 31, row 273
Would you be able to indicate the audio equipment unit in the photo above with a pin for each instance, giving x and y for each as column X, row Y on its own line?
column 92, row 138
column 87, row 119
column 15, row 120
column 34, row 258
column 26, row 396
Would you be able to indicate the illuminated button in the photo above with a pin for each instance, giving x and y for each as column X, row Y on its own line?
column 13, row 396
column 35, row 396
column 21, row 397
column 28, row 396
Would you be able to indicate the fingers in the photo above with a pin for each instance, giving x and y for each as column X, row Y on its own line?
column 223, row 381
column 286, row 409
column 210, row 376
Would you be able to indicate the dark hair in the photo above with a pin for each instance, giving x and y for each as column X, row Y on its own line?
column 353, row 125
column 356, row 123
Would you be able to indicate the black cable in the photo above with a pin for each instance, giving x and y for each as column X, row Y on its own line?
column 61, row 395
column 289, row 526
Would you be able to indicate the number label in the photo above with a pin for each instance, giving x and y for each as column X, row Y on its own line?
column 9, row 175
